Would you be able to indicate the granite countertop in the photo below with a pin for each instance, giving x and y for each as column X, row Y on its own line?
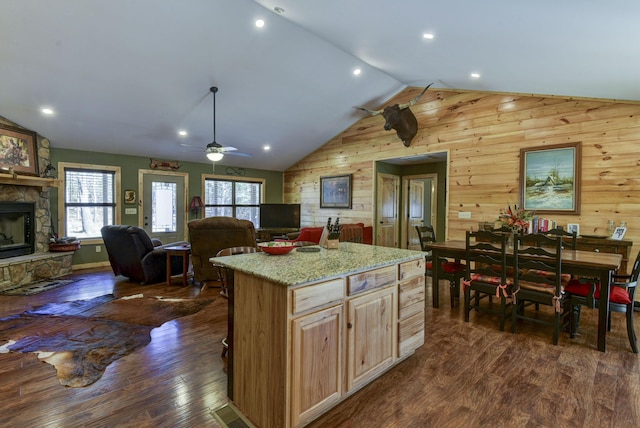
column 297, row 268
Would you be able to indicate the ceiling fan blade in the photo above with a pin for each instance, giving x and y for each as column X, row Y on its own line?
column 247, row 155
column 228, row 149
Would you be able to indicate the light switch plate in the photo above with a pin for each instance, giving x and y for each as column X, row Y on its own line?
column 464, row 214
column 130, row 210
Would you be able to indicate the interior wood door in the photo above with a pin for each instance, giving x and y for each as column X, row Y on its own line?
column 416, row 213
column 387, row 212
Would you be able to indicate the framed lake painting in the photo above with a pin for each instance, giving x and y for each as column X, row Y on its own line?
column 550, row 179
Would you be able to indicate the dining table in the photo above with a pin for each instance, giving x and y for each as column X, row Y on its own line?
column 576, row 262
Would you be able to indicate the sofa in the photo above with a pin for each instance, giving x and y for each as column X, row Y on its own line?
column 351, row 232
column 209, row 235
column 132, row 253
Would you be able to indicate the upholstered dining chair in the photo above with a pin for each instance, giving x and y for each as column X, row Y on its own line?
column 487, row 274
column 585, row 292
column 233, row 251
column 538, row 280
column 450, row 271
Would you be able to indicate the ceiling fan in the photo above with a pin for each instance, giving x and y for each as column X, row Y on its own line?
column 215, row 151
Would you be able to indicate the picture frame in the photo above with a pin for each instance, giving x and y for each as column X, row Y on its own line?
column 18, row 150
column 573, row 227
column 335, row 191
column 618, row 233
column 550, row 178
column 129, row 196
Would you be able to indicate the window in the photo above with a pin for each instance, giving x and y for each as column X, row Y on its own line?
column 233, row 198
column 90, row 199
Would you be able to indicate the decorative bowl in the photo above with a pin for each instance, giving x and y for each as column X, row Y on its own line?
column 276, row 247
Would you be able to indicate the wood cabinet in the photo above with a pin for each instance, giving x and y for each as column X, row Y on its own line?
column 316, row 363
column 371, row 336
column 299, row 350
column 606, row 245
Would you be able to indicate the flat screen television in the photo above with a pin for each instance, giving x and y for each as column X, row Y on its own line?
column 277, row 216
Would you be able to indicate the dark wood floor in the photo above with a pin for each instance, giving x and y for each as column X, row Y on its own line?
column 467, row 374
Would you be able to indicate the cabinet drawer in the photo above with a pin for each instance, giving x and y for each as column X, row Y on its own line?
column 410, row 334
column 372, row 279
column 411, row 269
column 316, row 295
column 411, row 296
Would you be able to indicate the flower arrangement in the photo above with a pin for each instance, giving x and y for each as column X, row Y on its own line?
column 515, row 218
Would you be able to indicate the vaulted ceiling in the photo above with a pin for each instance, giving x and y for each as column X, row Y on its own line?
column 125, row 76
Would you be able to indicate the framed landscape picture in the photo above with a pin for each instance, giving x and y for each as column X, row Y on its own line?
column 335, row 191
column 550, row 179
column 18, row 150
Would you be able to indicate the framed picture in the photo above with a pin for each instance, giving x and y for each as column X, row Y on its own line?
column 618, row 234
column 129, row 196
column 550, row 179
column 335, row 192
column 573, row 227
column 18, row 150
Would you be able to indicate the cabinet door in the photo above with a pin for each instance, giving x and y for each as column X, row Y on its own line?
column 317, row 368
column 371, row 335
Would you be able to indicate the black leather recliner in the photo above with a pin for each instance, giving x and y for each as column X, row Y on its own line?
column 132, row 253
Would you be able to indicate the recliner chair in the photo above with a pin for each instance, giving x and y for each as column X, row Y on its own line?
column 132, row 253
column 210, row 235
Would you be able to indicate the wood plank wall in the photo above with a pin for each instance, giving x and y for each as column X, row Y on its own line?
column 483, row 133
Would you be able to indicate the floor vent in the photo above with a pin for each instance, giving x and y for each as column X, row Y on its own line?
column 229, row 416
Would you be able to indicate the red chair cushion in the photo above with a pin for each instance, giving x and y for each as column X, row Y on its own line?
column 448, row 267
column 616, row 294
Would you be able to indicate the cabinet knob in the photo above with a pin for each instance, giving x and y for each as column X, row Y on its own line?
column 596, row 250
column 349, row 325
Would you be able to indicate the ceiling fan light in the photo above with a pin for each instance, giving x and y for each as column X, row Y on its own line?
column 215, row 156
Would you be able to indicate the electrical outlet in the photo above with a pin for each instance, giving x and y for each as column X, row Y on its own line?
column 464, row 214
column 98, row 249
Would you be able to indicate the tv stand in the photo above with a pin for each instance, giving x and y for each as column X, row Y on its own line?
column 271, row 233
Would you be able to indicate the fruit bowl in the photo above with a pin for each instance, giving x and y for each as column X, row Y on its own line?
column 276, row 248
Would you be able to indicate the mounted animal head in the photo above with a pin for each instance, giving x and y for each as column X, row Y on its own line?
column 400, row 118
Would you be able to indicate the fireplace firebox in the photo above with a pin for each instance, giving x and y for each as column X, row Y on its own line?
column 17, row 229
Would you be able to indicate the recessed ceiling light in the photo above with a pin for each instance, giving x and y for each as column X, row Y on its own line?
column 357, row 72
column 47, row 111
column 475, row 75
column 259, row 23
column 266, row 147
column 427, row 36
column 182, row 133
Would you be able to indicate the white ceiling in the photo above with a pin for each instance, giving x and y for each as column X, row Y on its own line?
column 125, row 75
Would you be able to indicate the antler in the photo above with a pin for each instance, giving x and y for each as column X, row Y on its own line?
column 415, row 100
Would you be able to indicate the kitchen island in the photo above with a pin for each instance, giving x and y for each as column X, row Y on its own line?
column 309, row 329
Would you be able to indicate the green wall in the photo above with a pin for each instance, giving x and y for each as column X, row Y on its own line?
column 129, row 179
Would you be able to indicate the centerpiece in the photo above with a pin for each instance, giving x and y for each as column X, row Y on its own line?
column 516, row 219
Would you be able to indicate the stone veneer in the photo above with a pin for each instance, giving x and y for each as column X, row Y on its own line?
column 42, row 264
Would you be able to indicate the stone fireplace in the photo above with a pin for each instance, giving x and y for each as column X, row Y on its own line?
column 39, row 263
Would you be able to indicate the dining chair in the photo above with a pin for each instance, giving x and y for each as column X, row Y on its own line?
column 487, row 274
column 585, row 292
column 452, row 271
column 222, row 277
column 538, row 280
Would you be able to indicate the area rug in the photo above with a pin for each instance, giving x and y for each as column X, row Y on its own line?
column 81, row 338
column 38, row 287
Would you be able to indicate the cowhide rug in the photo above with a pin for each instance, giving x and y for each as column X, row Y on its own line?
column 81, row 338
